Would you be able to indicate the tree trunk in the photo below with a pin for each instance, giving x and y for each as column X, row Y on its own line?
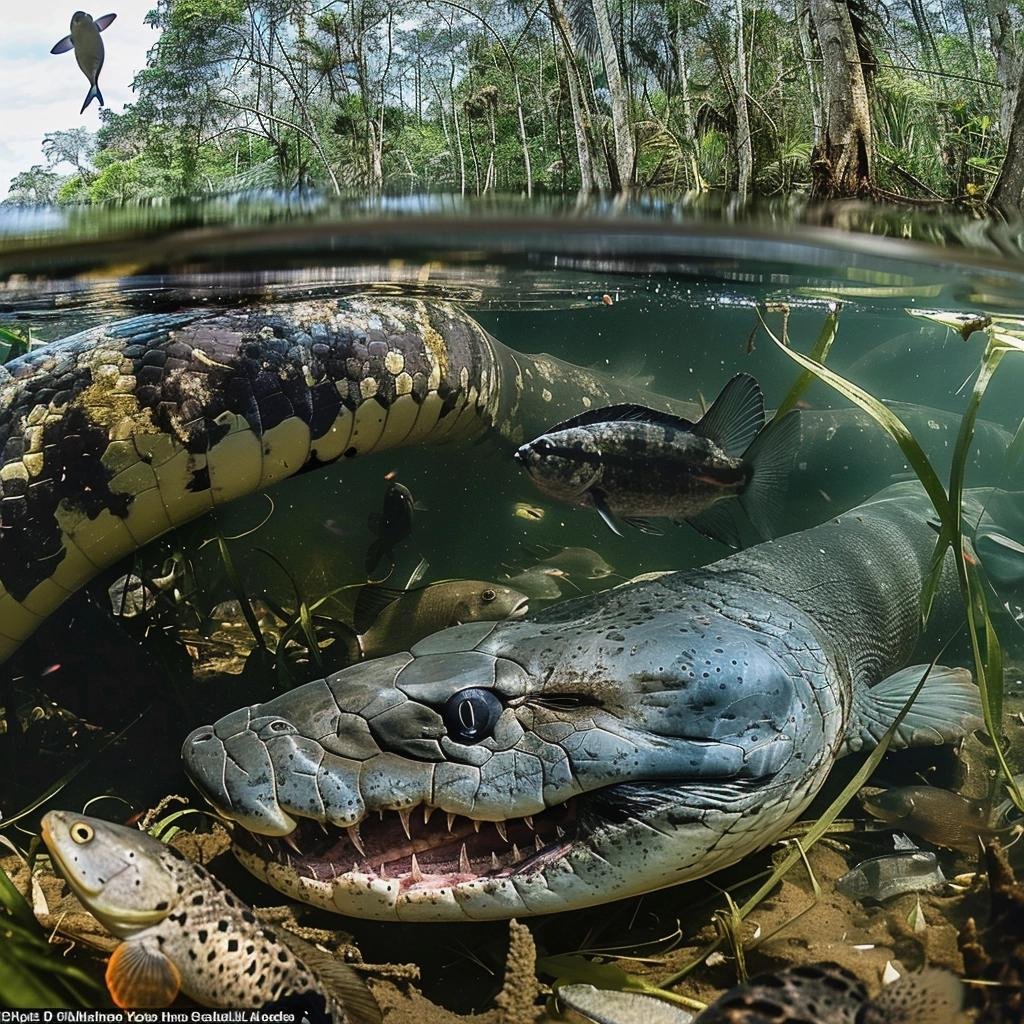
column 841, row 158
column 625, row 156
column 1004, row 49
column 744, row 147
column 803, row 25
column 1008, row 191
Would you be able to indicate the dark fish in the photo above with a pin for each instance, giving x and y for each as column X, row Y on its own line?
column 392, row 524
column 637, row 463
column 88, row 46
column 830, row 994
column 935, row 815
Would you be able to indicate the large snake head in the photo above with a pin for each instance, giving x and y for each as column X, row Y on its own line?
column 524, row 767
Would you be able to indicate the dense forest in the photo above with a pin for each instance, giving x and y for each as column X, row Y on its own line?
column 917, row 99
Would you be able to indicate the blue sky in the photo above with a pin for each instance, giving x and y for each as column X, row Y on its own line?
column 41, row 93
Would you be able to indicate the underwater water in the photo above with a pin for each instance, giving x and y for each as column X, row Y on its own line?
column 99, row 698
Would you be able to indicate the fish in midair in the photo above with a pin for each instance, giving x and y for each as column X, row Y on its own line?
column 392, row 525
column 389, row 620
column 635, row 463
column 183, row 931
column 935, row 815
column 88, row 46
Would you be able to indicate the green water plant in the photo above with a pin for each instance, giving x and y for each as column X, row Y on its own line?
column 986, row 648
column 13, row 344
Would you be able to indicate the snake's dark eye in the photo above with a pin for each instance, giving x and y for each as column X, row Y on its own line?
column 488, row 596
column 470, row 715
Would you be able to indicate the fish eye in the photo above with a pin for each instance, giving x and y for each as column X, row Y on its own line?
column 470, row 715
column 81, row 832
column 488, row 596
column 544, row 445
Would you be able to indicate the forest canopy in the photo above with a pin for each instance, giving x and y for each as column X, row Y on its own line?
column 914, row 99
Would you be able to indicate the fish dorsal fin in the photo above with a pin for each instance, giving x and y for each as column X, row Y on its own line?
column 139, row 976
column 736, row 416
column 618, row 413
column 339, row 979
column 67, row 43
column 932, row 996
column 370, row 602
column 104, row 22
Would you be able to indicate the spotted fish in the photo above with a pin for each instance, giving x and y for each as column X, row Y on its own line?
column 635, row 463
column 813, row 994
column 185, row 932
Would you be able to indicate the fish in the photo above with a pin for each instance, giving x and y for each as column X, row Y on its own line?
column 577, row 562
column 884, row 878
column 184, row 931
column 831, row 994
column 524, row 510
column 393, row 524
column 88, row 46
column 635, row 463
column 537, row 584
column 935, row 815
column 389, row 620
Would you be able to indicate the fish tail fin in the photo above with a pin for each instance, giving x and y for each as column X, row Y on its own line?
column 93, row 94
column 770, row 458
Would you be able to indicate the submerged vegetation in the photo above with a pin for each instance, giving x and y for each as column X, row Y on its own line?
column 919, row 100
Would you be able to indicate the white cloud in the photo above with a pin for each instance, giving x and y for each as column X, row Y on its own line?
column 41, row 92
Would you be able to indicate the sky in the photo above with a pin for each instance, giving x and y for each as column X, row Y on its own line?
column 41, row 92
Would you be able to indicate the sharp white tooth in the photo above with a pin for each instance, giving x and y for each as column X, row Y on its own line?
column 451, row 820
column 464, row 865
column 380, row 813
column 312, row 871
column 528, row 818
column 476, row 825
column 355, row 839
column 290, row 840
column 414, row 870
column 500, row 826
column 404, row 815
column 355, row 868
column 538, row 843
column 559, row 831
column 427, row 812
column 288, row 859
column 516, row 855
column 323, row 828
column 383, row 871
column 494, row 861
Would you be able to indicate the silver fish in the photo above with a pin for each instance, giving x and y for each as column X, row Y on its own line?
column 636, row 463
column 88, row 46
column 883, row 878
column 184, row 931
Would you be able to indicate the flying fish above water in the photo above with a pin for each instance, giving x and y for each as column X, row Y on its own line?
column 635, row 463
column 88, row 46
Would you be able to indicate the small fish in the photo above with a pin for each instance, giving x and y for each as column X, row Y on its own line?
column 524, row 510
column 391, row 620
column 830, row 994
column 88, row 46
column 884, row 878
column 579, row 563
column 393, row 524
column 638, row 463
column 131, row 596
column 537, row 584
column 935, row 815
column 185, row 932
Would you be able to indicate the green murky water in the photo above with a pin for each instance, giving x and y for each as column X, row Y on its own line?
column 666, row 303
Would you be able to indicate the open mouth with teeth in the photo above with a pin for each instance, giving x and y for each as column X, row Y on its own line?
column 420, row 848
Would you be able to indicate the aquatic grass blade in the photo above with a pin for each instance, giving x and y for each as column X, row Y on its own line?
column 13, row 902
column 882, row 415
column 819, row 353
column 238, row 589
column 304, row 615
column 573, row 968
